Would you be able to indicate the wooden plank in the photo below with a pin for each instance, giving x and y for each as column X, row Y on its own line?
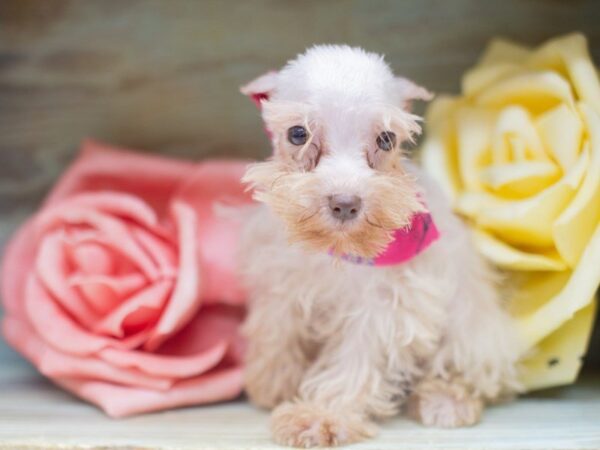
column 36, row 415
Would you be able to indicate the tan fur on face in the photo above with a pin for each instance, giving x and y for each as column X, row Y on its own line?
column 390, row 202
column 279, row 117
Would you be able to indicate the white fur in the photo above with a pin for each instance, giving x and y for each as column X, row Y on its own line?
column 336, row 345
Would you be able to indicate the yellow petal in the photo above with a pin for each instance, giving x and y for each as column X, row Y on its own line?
column 501, row 51
column 474, row 129
column 572, row 52
column 532, row 290
column 501, row 59
column 439, row 153
column 507, row 257
column 479, row 78
column 527, row 222
column 515, row 127
column 577, row 293
column 536, row 91
column 521, row 179
column 578, row 221
column 557, row 359
column 561, row 130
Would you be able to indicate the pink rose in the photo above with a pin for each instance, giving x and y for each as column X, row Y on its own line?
column 121, row 288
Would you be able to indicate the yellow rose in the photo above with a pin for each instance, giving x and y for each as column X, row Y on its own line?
column 519, row 154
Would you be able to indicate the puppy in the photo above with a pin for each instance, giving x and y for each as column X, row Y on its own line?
column 366, row 294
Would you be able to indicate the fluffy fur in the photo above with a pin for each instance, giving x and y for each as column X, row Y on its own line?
column 334, row 346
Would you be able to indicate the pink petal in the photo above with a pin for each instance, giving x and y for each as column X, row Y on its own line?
column 52, row 270
column 150, row 301
column 161, row 252
column 57, row 365
column 100, row 167
column 111, row 203
column 166, row 366
column 113, row 232
column 217, row 182
column 92, row 258
column 185, row 300
column 19, row 257
column 52, row 363
column 54, row 326
column 119, row 401
column 21, row 336
column 212, row 325
column 105, row 293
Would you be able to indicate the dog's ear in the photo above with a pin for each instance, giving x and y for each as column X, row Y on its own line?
column 408, row 91
column 260, row 88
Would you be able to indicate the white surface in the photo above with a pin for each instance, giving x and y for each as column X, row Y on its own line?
column 35, row 414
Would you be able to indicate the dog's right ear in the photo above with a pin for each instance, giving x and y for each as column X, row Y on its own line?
column 260, row 88
column 409, row 91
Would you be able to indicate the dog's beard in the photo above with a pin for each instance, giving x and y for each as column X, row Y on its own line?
column 390, row 202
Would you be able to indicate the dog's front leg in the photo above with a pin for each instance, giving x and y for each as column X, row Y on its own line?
column 276, row 357
column 347, row 386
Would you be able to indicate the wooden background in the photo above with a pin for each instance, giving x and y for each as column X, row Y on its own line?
column 162, row 76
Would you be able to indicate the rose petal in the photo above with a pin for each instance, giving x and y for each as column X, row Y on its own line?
column 58, row 365
column 212, row 183
column 572, row 51
column 214, row 323
column 149, row 302
column 108, row 202
column 21, row 337
column 185, row 300
column 537, row 91
column 55, row 364
column 52, row 270
column 439, row 151
column 19, row 258
column 575, row 294
column 104, row 293
column 574, row 227
column 474, row 133
column 160, row 251
column 198, row 347
column 54, row 326
column 520, row 179
column 561, row 131
column 566, row 345
column 164, row 365
column 514, row 125
column 100, row 168
column 110, row 230
column 509, row 257
column 527, row 221
column 120, row 401
column 501, row 51
column 92, row 258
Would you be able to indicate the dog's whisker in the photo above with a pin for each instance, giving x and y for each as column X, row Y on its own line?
column 376, row 225
column 306, row 218
column 276, row 180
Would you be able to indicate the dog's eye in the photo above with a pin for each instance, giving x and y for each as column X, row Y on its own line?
column 386, row 140
column 297, row 135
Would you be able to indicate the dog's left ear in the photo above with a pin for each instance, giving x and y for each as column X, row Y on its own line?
column 408, row 91
column 260, row 88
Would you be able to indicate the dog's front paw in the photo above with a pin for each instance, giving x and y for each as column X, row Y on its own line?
column 308, row 425
column 444, row 404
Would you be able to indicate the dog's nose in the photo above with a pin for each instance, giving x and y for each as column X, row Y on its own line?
column 344, row 207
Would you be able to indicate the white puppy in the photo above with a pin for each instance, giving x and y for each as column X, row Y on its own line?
column 339, row 335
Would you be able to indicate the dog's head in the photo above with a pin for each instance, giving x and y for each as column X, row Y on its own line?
column 337, row 117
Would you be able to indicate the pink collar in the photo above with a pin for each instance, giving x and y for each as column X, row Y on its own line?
column 408, row 242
